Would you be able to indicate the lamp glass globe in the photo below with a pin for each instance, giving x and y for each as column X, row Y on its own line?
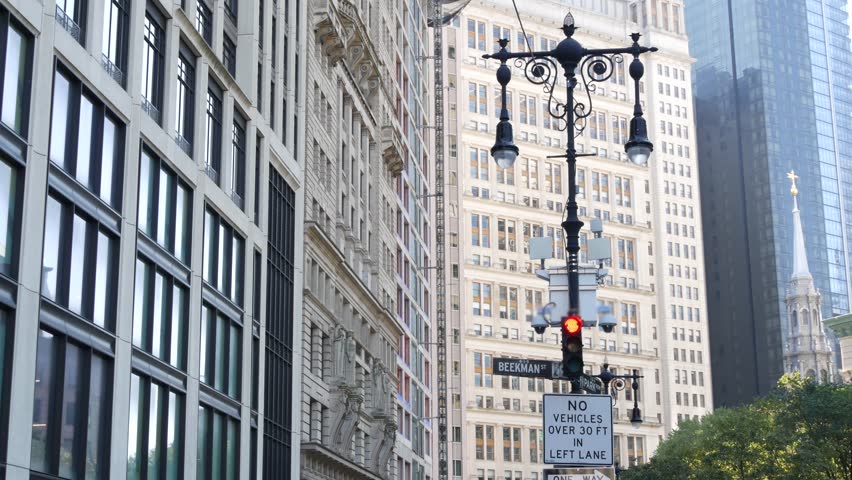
column 639, row 154
column 505, row 158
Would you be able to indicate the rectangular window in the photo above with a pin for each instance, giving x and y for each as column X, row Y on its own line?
column 6, row 339
column 71, row 16
column 153, row 63
column 218, row 444
column 213, row 132
column 478, row 163
column 223, row 263
column 86, row 140
column 80, row 262
column 160, row 310
column 221, row 351
column 185, row 98
column 231, row 8
column 71, row 408
column 480, row 229
column 204, row 21
column 114, row 48
column 11, row 196
column 229, row 55
column 238, row 160
column 16, row 52
column 155, row 430
column 165, row 206
column 280, row 288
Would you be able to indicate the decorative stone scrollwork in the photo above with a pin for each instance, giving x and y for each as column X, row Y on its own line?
column 347, row 411
column 385, row 433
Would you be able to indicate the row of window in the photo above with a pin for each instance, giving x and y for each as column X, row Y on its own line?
column 682, row 151
column 683, row 377
column 690, row 273
column 677, row 168
column 677, row 229
column 674, row 250
column 661, row 16
column 666, row 89
column 694, row 335
column 679, row 112
column 679, row 189
column 678, row 130
column 685, row 210
column 683, row 399
column 695, row 356
column 676, row 291
column 690, row 314
column 673, row 72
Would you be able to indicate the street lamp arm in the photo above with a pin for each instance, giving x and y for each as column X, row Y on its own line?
column 504, row 55
column 632, row 50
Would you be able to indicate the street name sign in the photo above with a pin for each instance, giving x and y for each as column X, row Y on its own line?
column 522, row 367
column 588, row 383
column 602, row 473
column 578, row 429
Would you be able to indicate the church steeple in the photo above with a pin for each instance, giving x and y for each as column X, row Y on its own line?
column 806, row 349
column 800, row 257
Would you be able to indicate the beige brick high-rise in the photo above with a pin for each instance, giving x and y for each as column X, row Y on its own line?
column 650, row 214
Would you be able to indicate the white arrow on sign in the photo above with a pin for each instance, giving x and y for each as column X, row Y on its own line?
column 596, row 475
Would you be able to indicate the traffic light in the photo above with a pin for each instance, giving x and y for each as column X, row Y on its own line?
column 572, row 345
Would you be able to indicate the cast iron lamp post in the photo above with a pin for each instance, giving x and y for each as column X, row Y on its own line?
column 595, row 65
column 541, row 68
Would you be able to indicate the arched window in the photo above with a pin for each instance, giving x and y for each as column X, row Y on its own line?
column 794, row 320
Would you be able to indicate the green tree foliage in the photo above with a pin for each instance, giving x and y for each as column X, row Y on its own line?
column 802, row 431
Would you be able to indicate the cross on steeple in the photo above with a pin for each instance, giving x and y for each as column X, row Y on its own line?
column 793, row 177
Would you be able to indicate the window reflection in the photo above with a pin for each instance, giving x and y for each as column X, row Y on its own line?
column 71, row 400
column 160, row 314
column 165, row 202
column 72, row 140
column 15, row 79
column 155, row 434
column 79, row 264
column 8, row 215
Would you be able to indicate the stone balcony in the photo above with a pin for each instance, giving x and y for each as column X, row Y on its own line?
column 393, row 149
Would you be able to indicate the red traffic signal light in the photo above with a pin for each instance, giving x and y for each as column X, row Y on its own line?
column 572, row 325
column 572, row 345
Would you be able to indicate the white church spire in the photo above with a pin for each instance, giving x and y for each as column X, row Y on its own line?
column 800, row 258
column 806, row 350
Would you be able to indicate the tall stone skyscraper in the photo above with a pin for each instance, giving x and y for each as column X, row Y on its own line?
column 772, row 92
column 651, row 216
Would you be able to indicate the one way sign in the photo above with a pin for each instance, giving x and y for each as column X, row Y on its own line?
column 607, row 473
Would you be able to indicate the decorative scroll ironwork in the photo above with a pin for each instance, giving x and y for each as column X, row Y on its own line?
column 593, row 69
column 544, row 71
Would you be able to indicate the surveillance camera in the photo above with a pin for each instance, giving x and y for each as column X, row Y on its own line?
column 606, row 320
column 539, row 324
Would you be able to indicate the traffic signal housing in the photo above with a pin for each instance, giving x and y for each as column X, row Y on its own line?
column 572, row 345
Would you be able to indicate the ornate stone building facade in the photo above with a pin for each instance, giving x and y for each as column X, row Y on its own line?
column 367, row 327
column 807, row 350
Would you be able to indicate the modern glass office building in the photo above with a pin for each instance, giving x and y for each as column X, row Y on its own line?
column 771, row 86
column 152, row 200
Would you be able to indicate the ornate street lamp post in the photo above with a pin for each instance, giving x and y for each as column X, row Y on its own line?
column 595, row 65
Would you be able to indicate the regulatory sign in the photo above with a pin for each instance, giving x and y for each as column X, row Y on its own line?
column 582, row 473
column 522, row 367
column 578, row 429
